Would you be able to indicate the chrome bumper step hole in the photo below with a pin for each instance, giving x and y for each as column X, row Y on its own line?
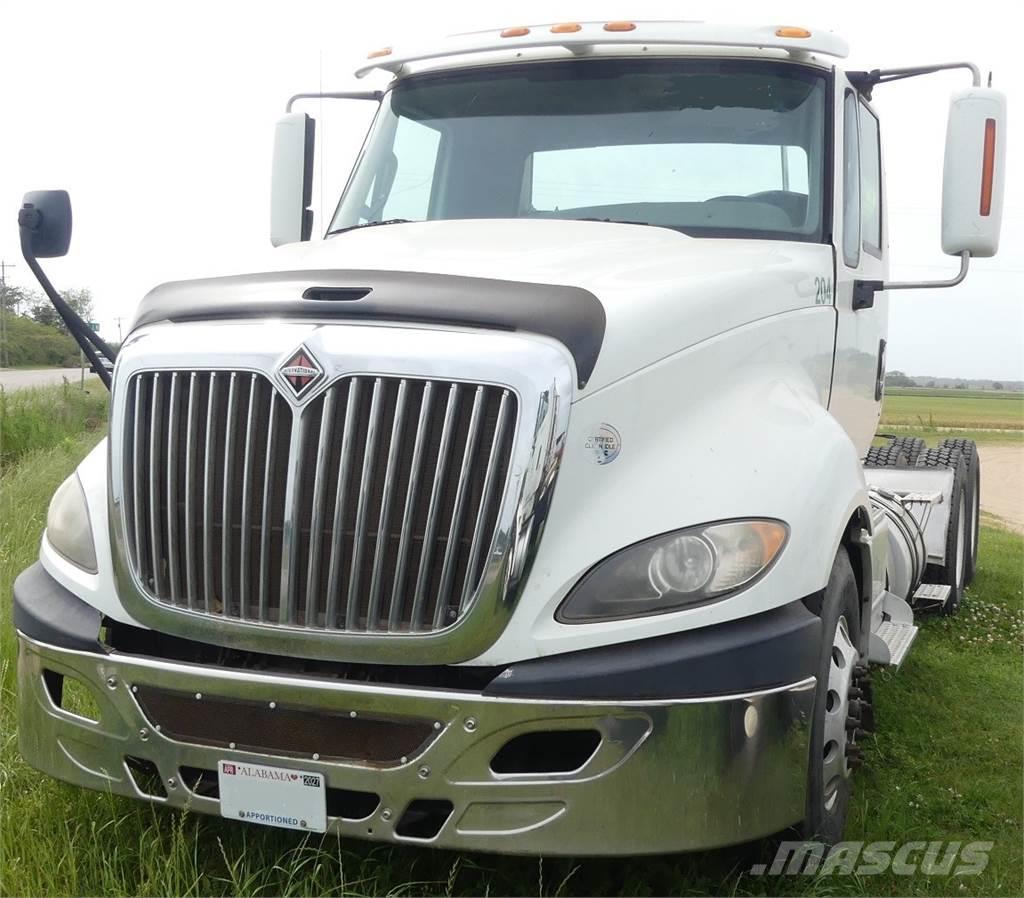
column 71, row 695
column 146, row 776
column 345, row 804
column 551, row 751
column 424, row 818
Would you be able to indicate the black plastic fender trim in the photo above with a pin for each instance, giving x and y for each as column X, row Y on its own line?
column 772, row 649
column 571, row 315
column 47, row 612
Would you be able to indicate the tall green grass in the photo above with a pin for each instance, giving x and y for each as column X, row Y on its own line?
column 43, row 417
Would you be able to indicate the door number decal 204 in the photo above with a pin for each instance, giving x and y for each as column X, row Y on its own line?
column 822, row 291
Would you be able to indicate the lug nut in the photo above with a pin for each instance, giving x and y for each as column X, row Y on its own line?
column 386, row 814
column 143, row 734
column 423, row 772
column 112, row 682
column 171, row 783
column 469, row 725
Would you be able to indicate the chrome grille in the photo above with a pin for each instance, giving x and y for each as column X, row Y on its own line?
column 373, row 508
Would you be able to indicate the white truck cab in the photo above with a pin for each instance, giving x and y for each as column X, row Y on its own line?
column 533, row 509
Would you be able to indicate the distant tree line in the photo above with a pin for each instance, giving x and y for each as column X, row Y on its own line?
column 36, row 334
column 900, row 379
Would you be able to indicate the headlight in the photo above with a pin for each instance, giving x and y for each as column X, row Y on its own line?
column 67, row 525
column 674, row 570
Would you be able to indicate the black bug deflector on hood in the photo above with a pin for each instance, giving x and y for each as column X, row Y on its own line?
column 571, row 315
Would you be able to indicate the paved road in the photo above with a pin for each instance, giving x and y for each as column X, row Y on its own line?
column 16, row 379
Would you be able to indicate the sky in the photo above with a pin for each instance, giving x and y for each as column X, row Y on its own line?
column 159, row 119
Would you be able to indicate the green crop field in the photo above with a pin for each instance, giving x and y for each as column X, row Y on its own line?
column 967, row 409
column 945, row 765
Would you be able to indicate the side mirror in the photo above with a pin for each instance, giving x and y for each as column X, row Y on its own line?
column 291, row 183
column 46, row 216
column 974, row 172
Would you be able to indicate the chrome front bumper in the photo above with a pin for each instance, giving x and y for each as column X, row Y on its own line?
column 666, row 776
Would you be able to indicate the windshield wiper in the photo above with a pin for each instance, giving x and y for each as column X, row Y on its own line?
column 370, row 224
column 646, row 224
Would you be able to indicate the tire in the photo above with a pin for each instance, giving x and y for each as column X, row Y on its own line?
column 954, row 572
column 831, row 761
column 969, row 450
column 912, row 447
column 887, row 456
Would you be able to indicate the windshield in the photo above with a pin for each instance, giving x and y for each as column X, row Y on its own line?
column 719, row 148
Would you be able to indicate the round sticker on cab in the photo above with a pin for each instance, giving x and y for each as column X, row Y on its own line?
column 605, row 444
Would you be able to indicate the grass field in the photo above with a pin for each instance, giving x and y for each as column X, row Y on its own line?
column 962, row 409
column 946, row 764
column 42, row 417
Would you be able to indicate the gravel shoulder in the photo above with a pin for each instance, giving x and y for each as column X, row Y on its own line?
column 1002, row 484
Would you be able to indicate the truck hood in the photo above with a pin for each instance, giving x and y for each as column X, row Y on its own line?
column 661, row 291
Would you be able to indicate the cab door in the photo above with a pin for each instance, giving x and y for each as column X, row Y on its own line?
column 861, row 251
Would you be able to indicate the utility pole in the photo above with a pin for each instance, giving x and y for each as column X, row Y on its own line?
column 119, row 319
column 4, row 355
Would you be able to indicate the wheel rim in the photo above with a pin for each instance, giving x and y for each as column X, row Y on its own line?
column 961, row 548
column 835, row 769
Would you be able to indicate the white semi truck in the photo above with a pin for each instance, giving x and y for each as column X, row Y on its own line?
column 534, row 508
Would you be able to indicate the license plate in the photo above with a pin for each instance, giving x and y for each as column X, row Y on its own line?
column 273, row 796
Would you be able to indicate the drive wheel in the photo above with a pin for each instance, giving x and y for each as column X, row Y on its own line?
column 953, row 572
column 969, row 451
column 835, row 727
column 912, row 447
column 887, row 456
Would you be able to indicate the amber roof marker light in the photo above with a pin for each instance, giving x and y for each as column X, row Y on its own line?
column 791, row 31
column 566, row 28
column 376, row 54
column 988, row 167
column 518, row 31
column 620, row 26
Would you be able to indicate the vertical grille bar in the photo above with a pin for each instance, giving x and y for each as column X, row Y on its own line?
column 434, row 509
column 226, row 496
column 397, row 483
column 451, row 549
column 390, row 478
column 292, row 524
column 405, row 539
column 191, row 438
column 362, row 508
column 479, row 534
column 155, row 420
column 208, row 472
column 137, row 427
column 245, row 521
column 348, row 436
column 316, row 525
column 263, row 611
column 173, row 424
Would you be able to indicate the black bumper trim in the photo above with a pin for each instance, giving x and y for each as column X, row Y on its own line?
column 768, row 650
column 46, row 612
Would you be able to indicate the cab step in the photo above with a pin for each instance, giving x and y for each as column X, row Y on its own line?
column 931, row 595
column 891, row 642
